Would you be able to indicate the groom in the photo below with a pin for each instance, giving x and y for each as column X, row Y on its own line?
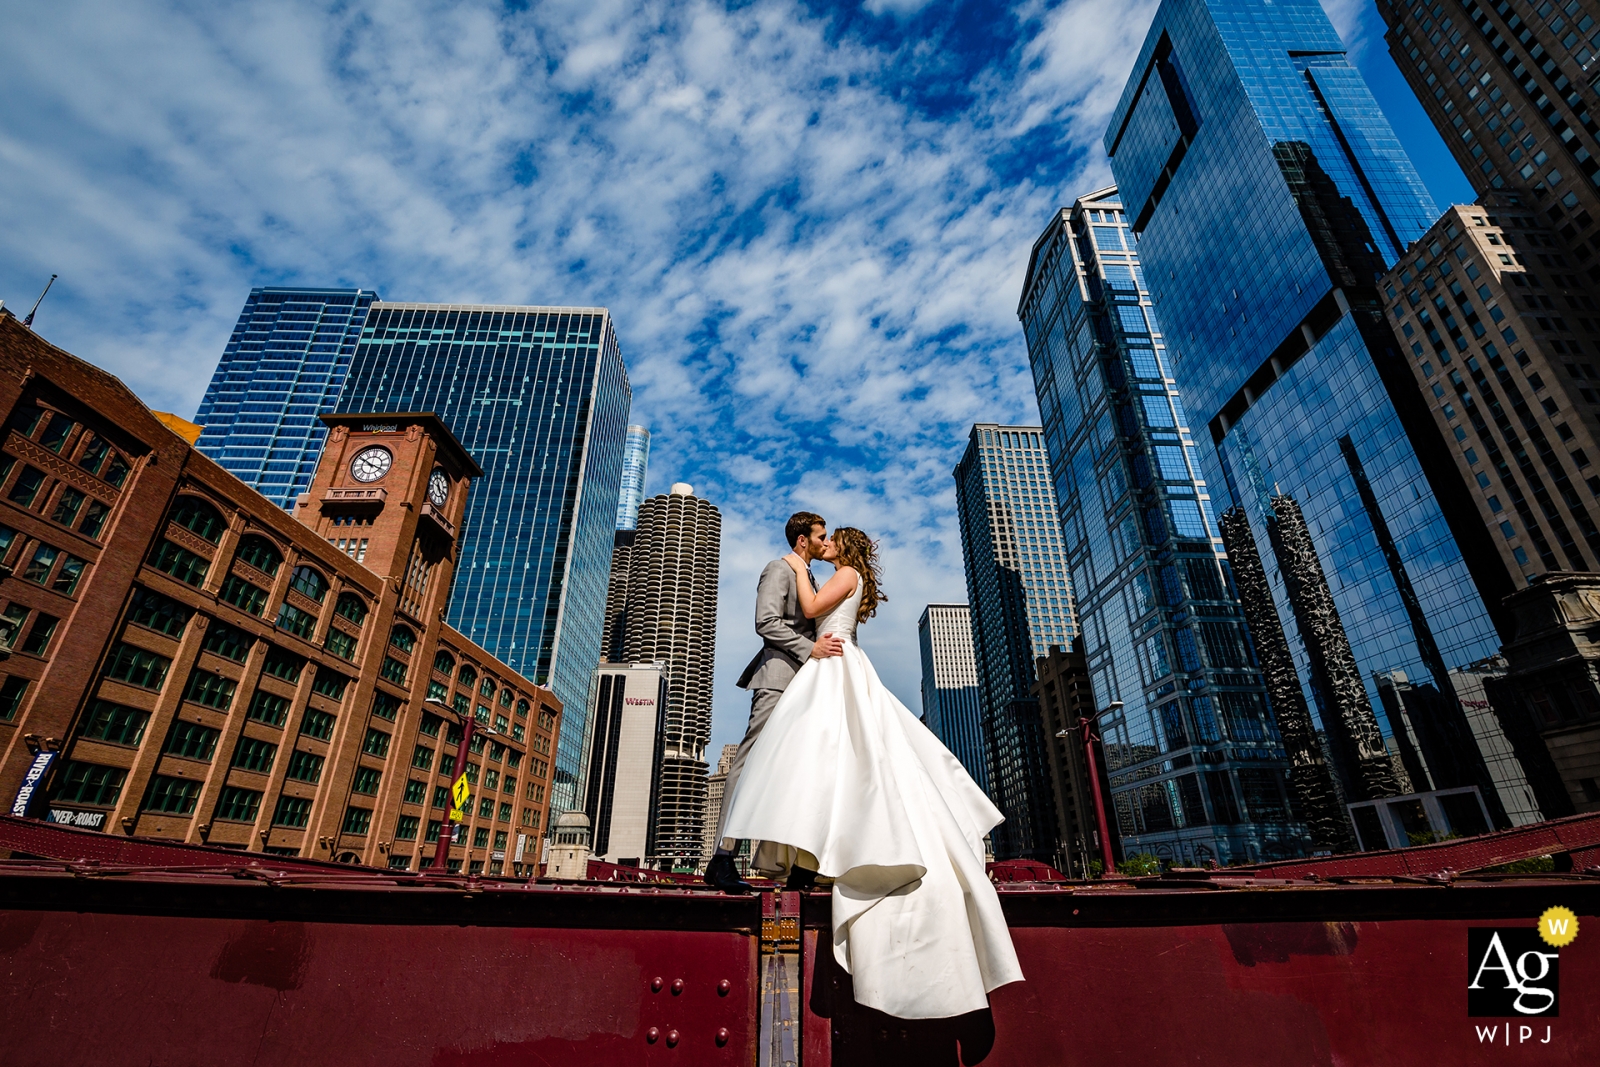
column 788, row 639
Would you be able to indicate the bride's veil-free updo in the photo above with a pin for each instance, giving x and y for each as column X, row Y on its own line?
column 858, row 550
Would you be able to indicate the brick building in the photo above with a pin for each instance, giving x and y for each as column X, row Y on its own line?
column 211, row 669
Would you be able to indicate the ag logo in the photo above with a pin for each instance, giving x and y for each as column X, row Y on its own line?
column 1511, row 972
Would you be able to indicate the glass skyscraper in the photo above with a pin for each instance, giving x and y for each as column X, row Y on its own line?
column 539, row 397
column 1267, row 192
column 1196, row 763
column 635, row 465
column 1021, row 603
column 951, row 707
column 285, row 364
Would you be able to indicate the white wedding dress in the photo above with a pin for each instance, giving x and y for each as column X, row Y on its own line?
column 844, row 772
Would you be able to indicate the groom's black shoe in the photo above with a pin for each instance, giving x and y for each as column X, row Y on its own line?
column 721, row 873
column 801, row 880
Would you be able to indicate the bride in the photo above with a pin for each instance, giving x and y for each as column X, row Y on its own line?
column 847, row 783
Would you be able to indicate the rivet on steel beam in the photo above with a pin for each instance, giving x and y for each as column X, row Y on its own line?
column 652, row 1034
column 677, row 986
column 655, row 985
column 723, row 987
column 722, row 1037
column 672, row 1038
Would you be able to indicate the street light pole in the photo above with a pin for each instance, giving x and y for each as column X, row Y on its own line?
column 1086, row 722
column 447, row 832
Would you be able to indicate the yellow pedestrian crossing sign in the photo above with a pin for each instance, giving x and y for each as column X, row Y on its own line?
column 460, row 793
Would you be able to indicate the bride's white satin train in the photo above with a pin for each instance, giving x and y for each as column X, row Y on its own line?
column 845, row 772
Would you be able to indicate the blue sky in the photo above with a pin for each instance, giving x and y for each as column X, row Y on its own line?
column 809, row 219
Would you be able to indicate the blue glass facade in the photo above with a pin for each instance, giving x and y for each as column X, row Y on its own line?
column 539, row 397
column 635, row 465
column 1020, row 600
column 951, row 706
column 1197, row 766
column 1266, row 188
column 285, row 364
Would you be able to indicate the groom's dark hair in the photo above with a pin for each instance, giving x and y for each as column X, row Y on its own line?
column 800, row 524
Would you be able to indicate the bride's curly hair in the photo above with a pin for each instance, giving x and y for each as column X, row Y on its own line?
column 858, row 550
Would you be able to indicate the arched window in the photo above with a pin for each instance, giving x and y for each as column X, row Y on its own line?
column 522, row 709
column 487, row 688
column 443, row 662
column 467, row 675
column 309, row 583
column 403, row 639
column 259, row 553
column 505, row 698
column 351, row 607
column 196, row 515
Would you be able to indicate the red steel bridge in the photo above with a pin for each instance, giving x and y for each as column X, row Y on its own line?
column 125, row 951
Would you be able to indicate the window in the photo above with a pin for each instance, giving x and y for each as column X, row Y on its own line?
column 259, row 553
column 460, row 703
column 405, row 829
column 522, row 709
column 513, row 758
column 298, row 622
column 437, row 690
column 11, row 621
column 309, row 583
column 67, row 577
column 340, row 643
column 497, row 752
column 505, row 698
column 467, row 676
column 179, row 562
column 416, row 791
column 356, row 820
column 518, row 732
column 115, row 724
column 479, row 743
column 376, row 743
column 212, row 690
column 434, row 827
column 385, row 706
column 94, row 454
column 447, row 766
column 481, row 714
column 502, row 723
column 430, row 724
column 441, row 796
column 8, row 537
column 472, row 772
column 292, row 811
column 318, row 724
column 366, row 780
column 89, row 783
column 198, row 517
column 67, row 507
column 282, row 664
column 44, row 628
column 94, row 520
column 491, row 780
column 173, row 796
column 26, row 487
column 403, row 639
column 480, row 837
column 191, row 741
column 486, row 809
column 393, row 670
column 56, row 431
column 511, row 784
column 443, row 662
column 330, row 684
column 40, row 566
column 305, row 766
column 116, row 471
column 223, row 640
column 349, row 606
column 505, row 813
column 268, row 708
column 487, row 689
column 253, row 754
column 138, row 667
column 237, row 805
column 242, row 595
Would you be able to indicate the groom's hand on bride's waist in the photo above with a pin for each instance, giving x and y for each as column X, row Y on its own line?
column 827, row 645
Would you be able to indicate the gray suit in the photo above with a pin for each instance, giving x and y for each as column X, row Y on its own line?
column 787, row 637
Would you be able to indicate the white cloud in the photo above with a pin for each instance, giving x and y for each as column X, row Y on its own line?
column 814, row 281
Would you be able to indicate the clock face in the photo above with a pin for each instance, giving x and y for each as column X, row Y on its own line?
column 438, row 487
column 371, row 464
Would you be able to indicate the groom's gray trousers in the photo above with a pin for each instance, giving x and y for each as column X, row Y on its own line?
column 762, row 701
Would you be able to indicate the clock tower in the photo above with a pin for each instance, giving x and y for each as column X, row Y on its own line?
column 390, row 492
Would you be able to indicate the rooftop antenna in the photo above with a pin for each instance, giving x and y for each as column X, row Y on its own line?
column 28, row 322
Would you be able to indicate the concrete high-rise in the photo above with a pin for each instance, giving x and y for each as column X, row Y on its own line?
column 622, row 768
column 1197, row 763
column 635, row 465
column 284, row 365
column 672, row 620
column 1021, row 603
column 1267, row 193
column 951, row 705
column 716, row 787
column 541, row 397
column 1511, row 89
